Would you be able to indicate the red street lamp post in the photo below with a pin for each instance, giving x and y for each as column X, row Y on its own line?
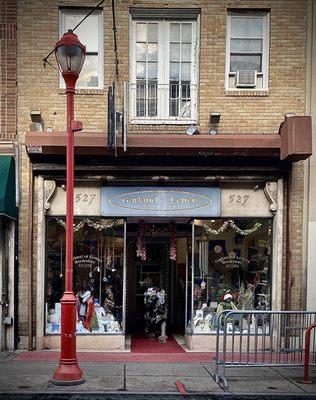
column 70, row 55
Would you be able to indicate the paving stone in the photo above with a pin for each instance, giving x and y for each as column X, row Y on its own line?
column 162, row 369
column 168, row 383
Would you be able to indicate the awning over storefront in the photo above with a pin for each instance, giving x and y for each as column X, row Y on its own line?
column 7, row 187
column 293, row 142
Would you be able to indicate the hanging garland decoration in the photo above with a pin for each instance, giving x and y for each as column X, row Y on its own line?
column 152, row 229
column 141, row 242
column 231, row 223
column 221, row 229
column 98, row 225
column 173, row 244
column 245, row 232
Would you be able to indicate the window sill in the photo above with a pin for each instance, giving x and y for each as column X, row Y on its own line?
column 85, row 91
column 246, row 92
column 162, row 122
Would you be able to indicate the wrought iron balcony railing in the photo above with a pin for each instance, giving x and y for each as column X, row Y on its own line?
column 152, row 101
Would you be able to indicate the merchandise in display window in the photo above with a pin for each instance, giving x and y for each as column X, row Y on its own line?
column 230, row 267
column 98, row 265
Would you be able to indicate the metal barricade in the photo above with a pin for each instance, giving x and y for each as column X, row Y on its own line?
column 261, row 338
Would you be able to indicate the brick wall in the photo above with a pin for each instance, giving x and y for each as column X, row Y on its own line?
column 8, row 66
column 38, row 86
column 297, row 234
column 248, row 112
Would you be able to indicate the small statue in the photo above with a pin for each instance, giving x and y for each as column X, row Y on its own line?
column 109, row 303
column 227, row 303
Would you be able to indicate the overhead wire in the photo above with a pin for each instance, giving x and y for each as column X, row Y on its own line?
column 79, row 23
column 114, row 38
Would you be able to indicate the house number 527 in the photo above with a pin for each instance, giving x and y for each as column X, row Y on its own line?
column 238, row 199
column 85, row 198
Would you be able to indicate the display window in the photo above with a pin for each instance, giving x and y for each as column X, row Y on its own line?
column 98, row 274
column 227, row 264
column 229, row 268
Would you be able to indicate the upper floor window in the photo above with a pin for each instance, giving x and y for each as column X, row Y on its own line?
column 90, row 33
column 247, row 56
column 164, row 71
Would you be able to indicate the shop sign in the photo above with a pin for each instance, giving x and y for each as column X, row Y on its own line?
column 160, row 202
column 84, row 260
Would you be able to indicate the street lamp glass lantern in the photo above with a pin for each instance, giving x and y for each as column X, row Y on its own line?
column 70, row 53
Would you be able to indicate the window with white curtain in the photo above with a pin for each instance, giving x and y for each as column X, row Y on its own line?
column 90, row 33
column 164, row 71
column 247, row 50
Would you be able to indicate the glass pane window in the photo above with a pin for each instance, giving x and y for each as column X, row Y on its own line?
column 89, row 33
column 152, row 70
column 245, row 62
column 141, row 51
column 174, row 71
column 248, row 46
column 86, row 31
column 97, row 275
column 246, row 27
column 186, row 32
column 152, row 51
column 147, row 69
column 153, row 32
column 180, row 72
column 164, row 69
column 231, row 269
column 141, row 32
column 174, row 32
column 174, row 52
column 89, row 76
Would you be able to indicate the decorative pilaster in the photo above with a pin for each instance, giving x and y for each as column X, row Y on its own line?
column 49, row 189
column 271, row 192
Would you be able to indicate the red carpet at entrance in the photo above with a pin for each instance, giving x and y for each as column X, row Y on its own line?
column 142, row 350
column 93, row 357
column 142, row 344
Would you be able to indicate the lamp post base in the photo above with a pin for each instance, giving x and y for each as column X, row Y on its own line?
column 68, row 375
column 68, row 372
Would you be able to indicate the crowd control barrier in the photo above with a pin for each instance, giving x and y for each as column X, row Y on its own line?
column 261, row 338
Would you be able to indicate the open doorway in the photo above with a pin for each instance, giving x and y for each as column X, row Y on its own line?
column 156, row 258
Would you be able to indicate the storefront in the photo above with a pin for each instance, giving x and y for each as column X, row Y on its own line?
column 208, row 248
column 8, row 237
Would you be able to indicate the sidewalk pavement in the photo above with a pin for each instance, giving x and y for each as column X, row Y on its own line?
column 145, row 380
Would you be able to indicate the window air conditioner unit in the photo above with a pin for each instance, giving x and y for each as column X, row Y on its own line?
column 246, row 78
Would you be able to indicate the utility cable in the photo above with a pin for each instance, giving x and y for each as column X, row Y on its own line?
column 80, row 22
column 114, row 38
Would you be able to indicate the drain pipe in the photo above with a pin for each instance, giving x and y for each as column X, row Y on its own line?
column 30, row 259
column 288, row 277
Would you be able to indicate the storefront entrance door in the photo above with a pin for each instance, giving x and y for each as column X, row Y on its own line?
column 155, row 261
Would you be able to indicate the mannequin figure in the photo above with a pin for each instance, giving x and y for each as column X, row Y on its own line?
column 82, row 302
column 155, row 313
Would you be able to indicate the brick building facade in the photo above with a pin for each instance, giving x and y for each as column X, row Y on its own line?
column 8, row 168
column 8, row 69
column 246, row 113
